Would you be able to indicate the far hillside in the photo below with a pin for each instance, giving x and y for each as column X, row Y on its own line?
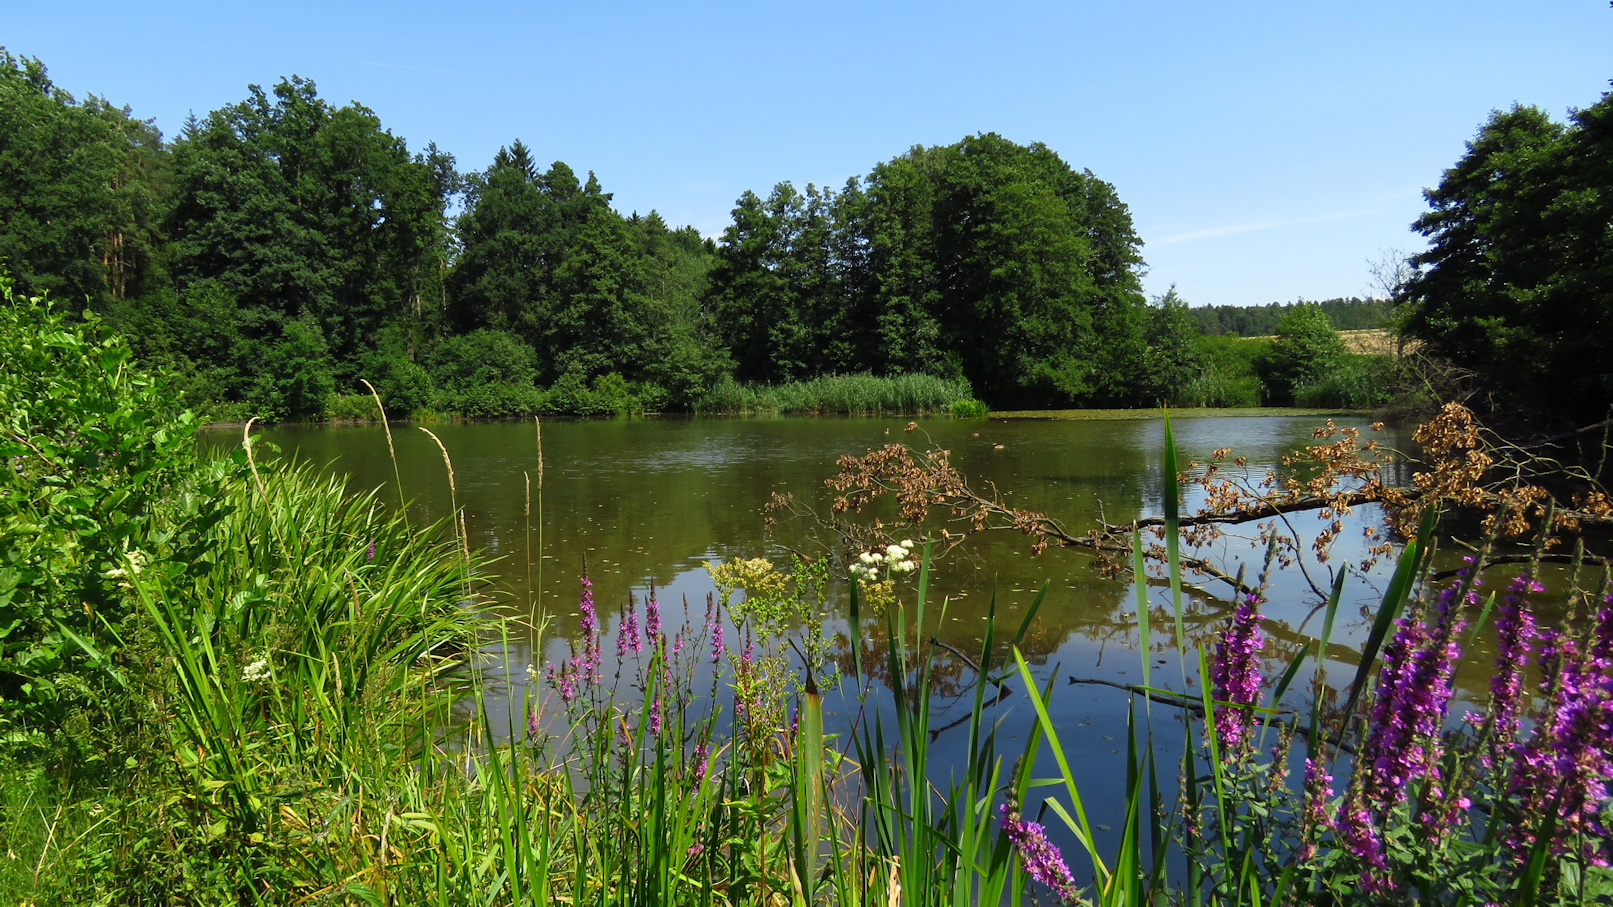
column 1350, row 314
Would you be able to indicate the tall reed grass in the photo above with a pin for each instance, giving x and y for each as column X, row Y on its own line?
column 912, row 394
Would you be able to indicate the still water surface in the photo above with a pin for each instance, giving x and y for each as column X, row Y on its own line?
column 641, row 501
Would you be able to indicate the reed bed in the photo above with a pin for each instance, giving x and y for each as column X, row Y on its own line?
column 913, row 394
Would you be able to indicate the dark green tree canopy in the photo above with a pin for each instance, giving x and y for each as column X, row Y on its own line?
column 1517, row 284
column 985, row 258
column 80, row 184
column 296, row 208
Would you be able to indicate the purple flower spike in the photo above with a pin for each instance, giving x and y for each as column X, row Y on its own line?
column 627, row 636
column 699, row 764
column 1040, row 858
column 1318, row 791
column 589, row 662
column 1362, row 841
column 1235, row 675
column 652, row 618
column 1411, row 701
column 1567, row 765
column 1515, row 634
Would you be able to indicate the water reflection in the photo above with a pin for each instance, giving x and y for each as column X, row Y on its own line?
column 650, row 500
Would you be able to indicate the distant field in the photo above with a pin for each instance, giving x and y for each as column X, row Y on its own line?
column 1368, row 340
column 1375, row 340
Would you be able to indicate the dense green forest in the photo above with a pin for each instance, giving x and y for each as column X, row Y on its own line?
column 1351, row 314
column 282, row 249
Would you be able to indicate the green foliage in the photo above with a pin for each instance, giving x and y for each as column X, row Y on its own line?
column 591, row 292
column 301, row 212
column 967, row 408
column 984, row 259
column 100, row 479
column 1350, row 314
column 1304, row 351
column 1514, row 285
column 1170, row 358
column 295, row 373
column 403, row 383
column 1228, row 375
column 912, row 394
column 80, row 187
column 1358, row 381
column 351, row 408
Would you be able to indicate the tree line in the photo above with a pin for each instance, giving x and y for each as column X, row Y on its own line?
column 1346, row 314
column 281, row 248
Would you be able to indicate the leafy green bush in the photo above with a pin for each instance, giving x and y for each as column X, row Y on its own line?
column 1227, row 375
column 351, row 408
column 480, row 358
column 1357, row 382
column 101, row 478
column 1304, row 351
column 967, row 408
column 403, row 383
column 295, row 374
column 607, row 395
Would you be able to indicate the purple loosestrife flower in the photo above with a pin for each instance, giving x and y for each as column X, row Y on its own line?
column 533, row 728
column 652, row 618
column 699, row 764
column 1318, row 791
column 1362, row 842
column 1411, row 701
column 589, row 664
column 561, row 680
column 714, row 627
column 369, row 553
column 1040, row 858
column 1515, row 633
column 1567, row 764
column 1235, row 675
column 627, row 635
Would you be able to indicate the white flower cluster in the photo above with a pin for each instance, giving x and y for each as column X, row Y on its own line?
column 256, row 671
column 894, row 559
column 136, row 561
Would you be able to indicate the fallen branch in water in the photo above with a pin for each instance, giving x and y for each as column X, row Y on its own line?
column 1177, row 700
column 1330, row 479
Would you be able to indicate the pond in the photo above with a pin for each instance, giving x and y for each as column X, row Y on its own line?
column 651, row 500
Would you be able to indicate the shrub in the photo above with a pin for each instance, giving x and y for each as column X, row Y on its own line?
column 1304, row 351
column 480, row 358
column 1227, row 373
column 351, row 408
column 967, row 408
column 102, row 478
column 1357, row 382
column 294, row 375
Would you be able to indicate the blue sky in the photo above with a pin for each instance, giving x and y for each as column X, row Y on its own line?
column 1267, row 150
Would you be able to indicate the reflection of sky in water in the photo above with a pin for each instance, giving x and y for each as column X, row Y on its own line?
column 649, row 500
